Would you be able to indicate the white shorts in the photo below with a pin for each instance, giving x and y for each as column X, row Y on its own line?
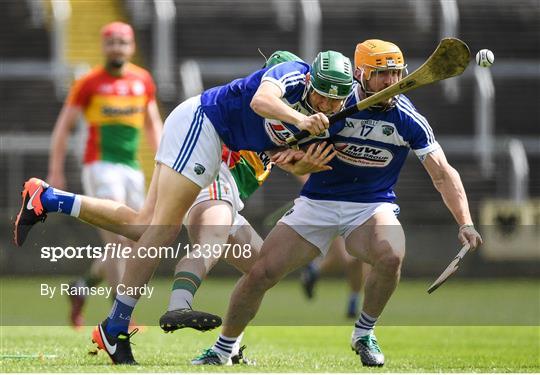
column 319, row 222
column 224, row 188
column 118, row 182
column 190, row 145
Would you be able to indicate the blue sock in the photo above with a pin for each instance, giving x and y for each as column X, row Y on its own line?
column 54, row 200
column 120, row 316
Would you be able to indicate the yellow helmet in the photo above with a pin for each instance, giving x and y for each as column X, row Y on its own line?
column 375, row 54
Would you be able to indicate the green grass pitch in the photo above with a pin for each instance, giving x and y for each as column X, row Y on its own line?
column 466, row 326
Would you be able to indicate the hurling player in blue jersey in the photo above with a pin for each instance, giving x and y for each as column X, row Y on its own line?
column 354, row 200
column 256, row 113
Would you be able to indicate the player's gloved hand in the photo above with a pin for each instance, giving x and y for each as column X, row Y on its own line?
column 314, row 124
column 467, row 234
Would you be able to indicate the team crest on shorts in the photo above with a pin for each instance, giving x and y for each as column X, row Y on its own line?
column 199, row 169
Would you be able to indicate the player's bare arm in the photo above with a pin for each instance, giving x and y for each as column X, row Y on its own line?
column 153, row 125
column 267, row 103
column 448, row 182
column 64, row 124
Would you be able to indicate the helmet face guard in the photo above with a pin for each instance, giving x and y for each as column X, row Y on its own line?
column 331, row 76
column 374, row 56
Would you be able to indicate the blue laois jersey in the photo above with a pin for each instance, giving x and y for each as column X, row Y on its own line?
column 372, row 147
column 239, row 127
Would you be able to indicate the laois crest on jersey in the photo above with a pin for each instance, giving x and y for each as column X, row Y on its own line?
column 371, row 149
column 240, row 128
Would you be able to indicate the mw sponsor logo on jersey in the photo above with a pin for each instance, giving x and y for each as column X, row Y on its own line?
column 363, row 155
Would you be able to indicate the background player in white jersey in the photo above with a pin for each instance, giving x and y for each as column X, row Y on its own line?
column 354, row 200
column 256, row 113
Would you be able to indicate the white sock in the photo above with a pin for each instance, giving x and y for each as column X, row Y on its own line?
column 180, row 299
column 127, row 300
column 236, row 346
column 76, row 208
column 364, row 325
column 224, row 346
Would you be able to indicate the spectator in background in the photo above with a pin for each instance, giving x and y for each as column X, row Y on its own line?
column 117, row 100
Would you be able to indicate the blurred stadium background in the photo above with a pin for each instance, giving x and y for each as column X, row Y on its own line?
column 488, row 120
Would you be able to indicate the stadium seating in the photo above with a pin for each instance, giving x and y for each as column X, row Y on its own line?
column 29, row 105
column 20, row 38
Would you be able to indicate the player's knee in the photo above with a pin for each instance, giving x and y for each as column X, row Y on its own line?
column 391, row 263
column 390, row 258
column 263, row 277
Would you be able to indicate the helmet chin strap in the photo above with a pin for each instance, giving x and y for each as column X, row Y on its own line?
column 305, row 98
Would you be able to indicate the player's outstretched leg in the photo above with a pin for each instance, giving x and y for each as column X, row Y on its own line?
column 38, row 199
